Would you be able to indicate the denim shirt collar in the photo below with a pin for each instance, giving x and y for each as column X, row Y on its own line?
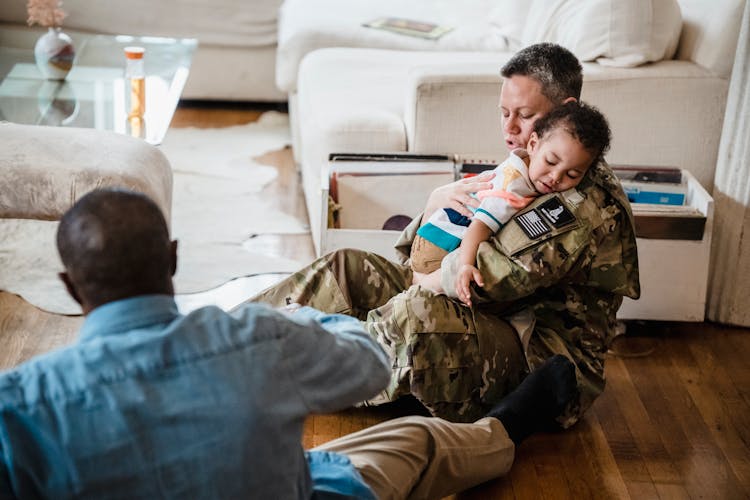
column 128, row 314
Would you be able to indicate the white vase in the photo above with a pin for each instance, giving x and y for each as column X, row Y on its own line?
column 57, row 102
column 54, row 54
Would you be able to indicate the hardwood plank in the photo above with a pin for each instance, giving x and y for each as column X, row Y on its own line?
column 26, row 331
column 497, row 489
column 523, row 475
column 610, row 483
column 609, row 410
column 13, row 333
column 586, row 474
column 202, row 116
column 728, row 417
column 646, row 377
column 307, row 433
column 646, row 435
column 682, row 430
column 553, row 484
column 700, row 421
column 672, row 492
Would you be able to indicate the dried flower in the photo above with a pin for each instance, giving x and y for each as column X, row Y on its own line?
column 47, row 13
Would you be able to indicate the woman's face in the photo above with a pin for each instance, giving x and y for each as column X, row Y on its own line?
column 521, row 104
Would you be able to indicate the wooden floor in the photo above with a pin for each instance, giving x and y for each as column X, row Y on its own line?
column 673, row 422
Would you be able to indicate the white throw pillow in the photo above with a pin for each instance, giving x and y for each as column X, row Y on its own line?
column 622, row 33
column 508, row 20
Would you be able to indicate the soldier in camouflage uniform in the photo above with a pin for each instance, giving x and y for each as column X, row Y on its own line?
column 552, row 285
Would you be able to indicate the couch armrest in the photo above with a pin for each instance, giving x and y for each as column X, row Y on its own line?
column 452, row 108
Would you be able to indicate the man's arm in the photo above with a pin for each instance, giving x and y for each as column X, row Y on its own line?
column 333, row 360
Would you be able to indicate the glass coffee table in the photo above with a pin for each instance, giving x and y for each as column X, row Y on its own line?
column 95, row 93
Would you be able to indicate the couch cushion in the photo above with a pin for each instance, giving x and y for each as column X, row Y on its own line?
column 651, row 120
column 308, row 25
column 621, row 33
column 710, row 32
column 220, row 22
column 508, row 18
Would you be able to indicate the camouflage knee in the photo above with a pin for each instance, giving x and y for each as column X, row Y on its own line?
column 346, row 281
column 456, row 361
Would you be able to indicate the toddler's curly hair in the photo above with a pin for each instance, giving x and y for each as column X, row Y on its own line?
column 584, row 122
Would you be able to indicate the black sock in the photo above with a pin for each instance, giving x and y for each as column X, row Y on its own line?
column 538, row 400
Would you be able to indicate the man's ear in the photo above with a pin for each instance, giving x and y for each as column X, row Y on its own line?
column 569, row 99
column 70, row 287
column 173, row 257
column 533, row 142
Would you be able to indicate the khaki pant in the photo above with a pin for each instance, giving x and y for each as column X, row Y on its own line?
column 425, row 458
column 425, row 256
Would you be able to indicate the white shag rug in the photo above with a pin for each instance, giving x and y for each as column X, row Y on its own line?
column 217, row 205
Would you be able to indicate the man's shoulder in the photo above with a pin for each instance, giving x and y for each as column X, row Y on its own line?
column 603, row 178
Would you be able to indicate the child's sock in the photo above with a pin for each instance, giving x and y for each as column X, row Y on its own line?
column 538, row 400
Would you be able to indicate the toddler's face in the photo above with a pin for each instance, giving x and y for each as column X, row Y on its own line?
column 557, row 162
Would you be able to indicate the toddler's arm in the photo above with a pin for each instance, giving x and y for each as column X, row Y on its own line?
column 477, row 232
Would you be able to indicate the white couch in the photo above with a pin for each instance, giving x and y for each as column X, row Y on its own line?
column 236, row 55
column 374, row 91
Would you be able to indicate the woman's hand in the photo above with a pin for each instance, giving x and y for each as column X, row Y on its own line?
column 457, row 195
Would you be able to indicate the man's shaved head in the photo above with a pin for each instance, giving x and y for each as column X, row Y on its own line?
column 553, row 66
column 115, row 244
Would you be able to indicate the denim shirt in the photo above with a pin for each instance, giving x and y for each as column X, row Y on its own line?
column 153, row 404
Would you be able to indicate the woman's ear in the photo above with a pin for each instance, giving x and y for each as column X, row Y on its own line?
column 569, row 99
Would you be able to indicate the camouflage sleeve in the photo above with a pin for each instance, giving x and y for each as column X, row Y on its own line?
column 405, row 239
column 514, row 265
column 511, row 278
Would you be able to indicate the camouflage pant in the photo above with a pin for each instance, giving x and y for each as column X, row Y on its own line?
column 456, row 361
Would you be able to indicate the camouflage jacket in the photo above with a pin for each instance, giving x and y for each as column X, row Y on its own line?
column 564, row 263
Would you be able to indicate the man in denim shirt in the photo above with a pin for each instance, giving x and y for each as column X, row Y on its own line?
column 153, row 404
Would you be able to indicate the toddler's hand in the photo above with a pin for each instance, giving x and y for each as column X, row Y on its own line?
column 466, row 274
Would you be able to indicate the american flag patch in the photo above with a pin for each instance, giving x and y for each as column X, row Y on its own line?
column 532, row 224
